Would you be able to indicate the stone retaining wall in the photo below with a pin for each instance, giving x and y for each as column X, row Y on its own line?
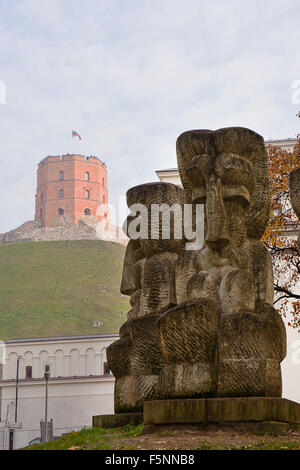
column 85, row 230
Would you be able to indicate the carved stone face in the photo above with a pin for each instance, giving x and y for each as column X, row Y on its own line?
column 140, row 249
column 131, row 276
column 227, row 169
column 165, row 196
column 224, row 183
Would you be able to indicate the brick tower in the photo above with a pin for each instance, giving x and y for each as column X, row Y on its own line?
column 73, row 186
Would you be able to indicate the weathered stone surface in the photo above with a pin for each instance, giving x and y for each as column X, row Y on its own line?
column 117, row 420
column 224, row 146
column 151, row 194
column 202, row 322
column 250, row 348
column 132, row 391
column 118, row 356
column 158, row 291
column 186, row 380
column 221, row 410
column 227, row 171
column 128, row 285
column 149, row 279
column 145, row 358
column 62, row 228
column 187, row 339
column 295, row 195
column 188, row 333
column 185, row 268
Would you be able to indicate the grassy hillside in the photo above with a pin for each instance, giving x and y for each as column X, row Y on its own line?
column 60, row 288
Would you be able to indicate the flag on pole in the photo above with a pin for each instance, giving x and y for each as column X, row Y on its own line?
column 75, row 134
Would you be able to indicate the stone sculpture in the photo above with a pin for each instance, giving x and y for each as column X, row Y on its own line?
column 149, row 279
column 295, row 195
column 202, row 322
column 226, row 339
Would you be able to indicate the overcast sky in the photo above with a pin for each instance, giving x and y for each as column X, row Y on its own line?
column 130, row 76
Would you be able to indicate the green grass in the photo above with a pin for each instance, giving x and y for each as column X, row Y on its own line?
column 92, row 439
column 115, row 439
column 59, row 288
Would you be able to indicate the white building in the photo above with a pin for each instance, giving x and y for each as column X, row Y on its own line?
column 80, row 385
column 285, row 144
column 171, row 175
column 291, row 365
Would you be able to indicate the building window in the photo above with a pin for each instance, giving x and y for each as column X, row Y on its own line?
column 87, row 194
column 61, row 193
column 42, row 197
column 87, row 212
column 61, row 175
column 61, row 211
column 11, row 439
column 41, row 214
column 103, row 199
column 87, row 176
column 103, row 181
column 106, row 369
column 28, row 372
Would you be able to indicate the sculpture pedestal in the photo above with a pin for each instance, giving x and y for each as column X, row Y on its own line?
column 117, row 420
column 221, row 410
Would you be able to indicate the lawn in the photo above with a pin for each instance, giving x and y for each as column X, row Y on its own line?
column 60, row 288
column 171, row 438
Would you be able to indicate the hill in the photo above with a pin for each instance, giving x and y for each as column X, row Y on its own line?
column 59, row 288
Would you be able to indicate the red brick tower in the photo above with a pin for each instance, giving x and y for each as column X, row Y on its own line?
column 70, row 185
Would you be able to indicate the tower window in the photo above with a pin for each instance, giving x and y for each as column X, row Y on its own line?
column 41, row 214
column 61, row 175
column 87, row 194
column 87, row 176
column 61, row 193
column 87, row 212
column 103, row 181
column 42, row 197
column 28, row 372
column 103, row 199
column 61, row 211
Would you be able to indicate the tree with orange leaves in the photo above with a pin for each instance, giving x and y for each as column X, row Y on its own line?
column 280, row 235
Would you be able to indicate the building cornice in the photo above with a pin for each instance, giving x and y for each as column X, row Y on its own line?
column 60, row 339
column 41, row 380
column 290, row 141
column 68, row 158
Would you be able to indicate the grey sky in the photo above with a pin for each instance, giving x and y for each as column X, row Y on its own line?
column 130, row 76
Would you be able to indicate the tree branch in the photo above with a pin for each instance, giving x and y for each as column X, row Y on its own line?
column 288, row 293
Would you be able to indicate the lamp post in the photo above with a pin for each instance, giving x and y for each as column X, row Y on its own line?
column 17, row 389
column 46, row 375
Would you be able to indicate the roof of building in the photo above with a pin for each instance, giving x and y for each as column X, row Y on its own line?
column 286, row 142
column 60, row 338
column 289, row 140
column 68, row 155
